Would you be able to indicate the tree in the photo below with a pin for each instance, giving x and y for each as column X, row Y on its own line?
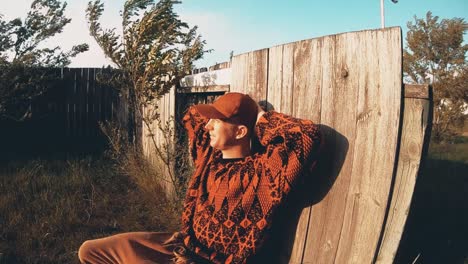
column 436, row 55
column 155, row 50
column 25, row 67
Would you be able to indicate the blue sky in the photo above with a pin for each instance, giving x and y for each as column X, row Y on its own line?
column 247, row 25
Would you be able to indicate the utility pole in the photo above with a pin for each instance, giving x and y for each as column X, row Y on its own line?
column 382, row 14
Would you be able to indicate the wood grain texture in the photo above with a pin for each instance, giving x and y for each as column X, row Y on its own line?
column 377, row 61
column 280, row 78
column 219, row 66
column 250, row 74
column 166, row 107
column 338, row 112
column 306, row 103
column 415, row 128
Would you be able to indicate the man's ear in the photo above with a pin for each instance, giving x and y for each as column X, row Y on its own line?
column 242, row 131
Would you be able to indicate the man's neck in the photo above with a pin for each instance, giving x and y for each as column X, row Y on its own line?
column 236, row 152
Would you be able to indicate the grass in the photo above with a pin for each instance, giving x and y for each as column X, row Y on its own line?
column 49, row 207
column 436, row 230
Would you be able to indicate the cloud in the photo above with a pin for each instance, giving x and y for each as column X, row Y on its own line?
column 222, row 33
column 74, row 33
column 14, row 9
column 217, row 31
column 77, row 32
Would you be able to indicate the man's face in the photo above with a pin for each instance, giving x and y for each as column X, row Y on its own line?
column 222, row 134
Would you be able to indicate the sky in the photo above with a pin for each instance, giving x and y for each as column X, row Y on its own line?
column 247, row 25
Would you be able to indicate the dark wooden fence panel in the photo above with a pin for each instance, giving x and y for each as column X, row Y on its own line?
column 65, row 118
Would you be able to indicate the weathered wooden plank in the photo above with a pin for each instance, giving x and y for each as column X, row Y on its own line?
column 415, row 127
column 379, row 100
column 280, row 78
column 93, row 103
column 258, row 75
column 81, row 104
column 68, row 88
column 249, row 74
column 338, row 112
column 219, row 66
column 87, row 118
column 152, row 131
column 75, row 100
column 306, row 103
column 239, row 70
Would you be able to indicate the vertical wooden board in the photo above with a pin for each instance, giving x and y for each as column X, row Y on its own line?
column 379, row 100
column 83, row 102
column 62, row 105
column 144, row 140
column 249, row 74
column 81, row 94
column 307, row 78
column 166, row 107
column 415, row 122
column 280, row 78
column 75, row 101
column 338, row 102
column 87, row 102
column 92, row 105
column 68, row 89
column 305, row 103
column 97, row 97
column 258, row 75
column 275, row 76
column 169, row 115
column 105, row 102
column 239, row 70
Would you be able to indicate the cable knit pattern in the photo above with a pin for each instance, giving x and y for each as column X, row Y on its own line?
column 229, row 203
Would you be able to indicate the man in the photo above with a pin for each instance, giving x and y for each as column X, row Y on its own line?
column 234, row 192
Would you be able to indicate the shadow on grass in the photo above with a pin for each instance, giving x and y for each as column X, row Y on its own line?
column 436, row 230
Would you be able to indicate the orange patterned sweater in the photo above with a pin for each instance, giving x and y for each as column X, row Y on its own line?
column 230, row 203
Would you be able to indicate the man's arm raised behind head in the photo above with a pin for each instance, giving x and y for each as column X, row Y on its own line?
column 291, row 144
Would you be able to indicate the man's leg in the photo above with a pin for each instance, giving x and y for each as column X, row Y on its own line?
column 137, row 247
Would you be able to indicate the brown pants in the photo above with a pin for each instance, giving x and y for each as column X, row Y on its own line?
column 136, row 247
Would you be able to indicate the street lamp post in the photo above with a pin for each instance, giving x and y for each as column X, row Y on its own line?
column 382, row 13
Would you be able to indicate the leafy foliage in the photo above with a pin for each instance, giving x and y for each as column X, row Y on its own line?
column 22, row 39
column 24, row 64
column 154, row 51
column 156, row 48
column 436, row 55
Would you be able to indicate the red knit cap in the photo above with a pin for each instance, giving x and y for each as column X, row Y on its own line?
column 232, row 106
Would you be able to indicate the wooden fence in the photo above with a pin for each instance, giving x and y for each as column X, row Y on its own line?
column 66, row 118
column 354, row 209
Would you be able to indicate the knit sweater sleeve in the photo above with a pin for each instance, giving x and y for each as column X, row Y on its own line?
column 199, row 140
column 199, row 147
column 291, row 145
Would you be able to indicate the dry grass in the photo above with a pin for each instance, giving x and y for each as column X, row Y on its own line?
column 49, row 207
